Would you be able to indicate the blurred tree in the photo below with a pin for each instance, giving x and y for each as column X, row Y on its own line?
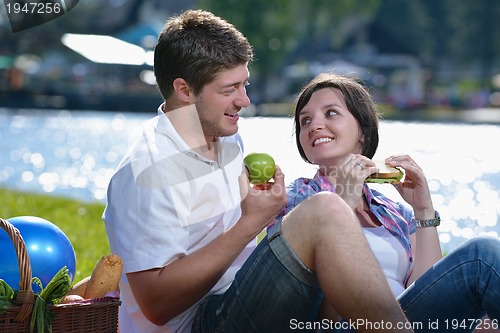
column 403, row 26
column 280, row 27
column 475, row 35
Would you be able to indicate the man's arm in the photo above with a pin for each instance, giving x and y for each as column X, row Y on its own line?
column 166, row 292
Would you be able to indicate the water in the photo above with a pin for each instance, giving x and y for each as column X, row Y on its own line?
column 74, row 154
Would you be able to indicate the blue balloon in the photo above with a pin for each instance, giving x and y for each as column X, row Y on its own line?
column 49, row 250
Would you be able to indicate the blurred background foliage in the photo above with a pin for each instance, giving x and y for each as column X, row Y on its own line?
column 417, row 54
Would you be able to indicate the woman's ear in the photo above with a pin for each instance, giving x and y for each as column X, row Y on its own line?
column 182, row 90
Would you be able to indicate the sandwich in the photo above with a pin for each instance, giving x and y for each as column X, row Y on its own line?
column 386, row 174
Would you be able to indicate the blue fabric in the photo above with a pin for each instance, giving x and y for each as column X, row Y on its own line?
column 458, row 290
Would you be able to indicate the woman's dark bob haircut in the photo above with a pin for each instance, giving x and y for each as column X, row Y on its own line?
column 358, row 101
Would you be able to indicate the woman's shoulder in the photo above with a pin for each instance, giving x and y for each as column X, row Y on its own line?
column 297, row 191
column 301, row 189
column 304, row 185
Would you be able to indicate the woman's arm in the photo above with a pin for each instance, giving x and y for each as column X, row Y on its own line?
column 426, row 251
column 415, row 191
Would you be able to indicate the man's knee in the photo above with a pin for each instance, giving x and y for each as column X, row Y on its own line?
column 323, row 207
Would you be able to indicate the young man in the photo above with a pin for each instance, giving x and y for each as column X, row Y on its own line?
column 184, row 218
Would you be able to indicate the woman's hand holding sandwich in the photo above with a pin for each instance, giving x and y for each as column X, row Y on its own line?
column 413, row 188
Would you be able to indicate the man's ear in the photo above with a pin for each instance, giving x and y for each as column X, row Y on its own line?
column 182, row 90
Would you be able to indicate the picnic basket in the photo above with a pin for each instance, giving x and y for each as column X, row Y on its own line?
column 99, row 315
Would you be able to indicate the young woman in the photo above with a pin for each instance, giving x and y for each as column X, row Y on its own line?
column 336, row 125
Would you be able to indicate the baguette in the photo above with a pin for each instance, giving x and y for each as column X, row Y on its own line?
column 79, row 288
column 105, row 276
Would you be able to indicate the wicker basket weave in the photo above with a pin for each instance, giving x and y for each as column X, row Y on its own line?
column 100, row 316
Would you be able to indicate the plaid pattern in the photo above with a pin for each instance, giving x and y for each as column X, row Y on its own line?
column 396, row 217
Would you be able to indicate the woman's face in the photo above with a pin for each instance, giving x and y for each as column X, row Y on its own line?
column 328, row 131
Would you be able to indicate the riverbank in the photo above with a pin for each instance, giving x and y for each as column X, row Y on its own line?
column 149, row 103
column 474, row 116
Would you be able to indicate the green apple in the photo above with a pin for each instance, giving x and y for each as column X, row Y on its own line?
column 260, row 166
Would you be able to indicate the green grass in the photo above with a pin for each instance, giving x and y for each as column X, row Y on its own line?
column 80, row 221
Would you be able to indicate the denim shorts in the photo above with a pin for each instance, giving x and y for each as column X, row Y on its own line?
column 273, row 292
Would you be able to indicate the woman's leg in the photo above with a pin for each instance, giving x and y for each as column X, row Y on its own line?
column 458, row 291
column 325, row 234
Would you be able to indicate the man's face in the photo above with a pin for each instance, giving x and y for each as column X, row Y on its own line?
column 220, row 101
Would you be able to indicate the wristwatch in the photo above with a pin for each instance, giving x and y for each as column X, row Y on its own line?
column 428, row 223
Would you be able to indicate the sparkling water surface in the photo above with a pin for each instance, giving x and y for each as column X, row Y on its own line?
column 75, row 153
